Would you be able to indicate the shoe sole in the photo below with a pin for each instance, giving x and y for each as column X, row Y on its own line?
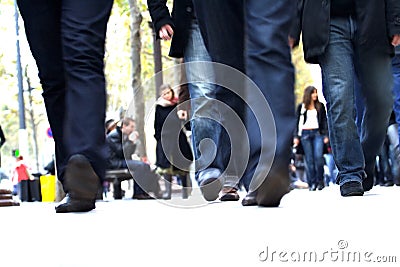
column 210, row 189
column 353, row 194
column 80, row 179
column 76, row 206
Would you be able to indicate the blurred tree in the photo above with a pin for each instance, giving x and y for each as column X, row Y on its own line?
column 302, row 73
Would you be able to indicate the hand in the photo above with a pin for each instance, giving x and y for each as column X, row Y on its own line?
column 291, row 41
column 326, row 140
column 296, row 141
column 182, row 114
column 396, row 40
column 166, row 32
column 134, row 136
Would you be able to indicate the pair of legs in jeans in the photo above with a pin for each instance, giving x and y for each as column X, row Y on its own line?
column 355, row 154
column 211, row 150
column 251, row 36
column 313, row 146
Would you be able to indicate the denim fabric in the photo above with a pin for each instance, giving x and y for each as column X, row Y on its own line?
column 313, row 146
column 344, row 57
column 396, row 88
column 205, row 118
column 330, row 162
column 268, row 64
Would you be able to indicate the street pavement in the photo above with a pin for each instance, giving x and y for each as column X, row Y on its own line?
column 308, row 229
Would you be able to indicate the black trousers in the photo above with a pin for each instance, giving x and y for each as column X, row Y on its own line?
column 66, row 38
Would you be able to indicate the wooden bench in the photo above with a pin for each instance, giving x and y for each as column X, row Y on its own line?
column 116, row 177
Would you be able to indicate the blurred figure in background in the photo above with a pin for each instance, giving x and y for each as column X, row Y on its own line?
column 312, row 132
column 20, row 179
column 2, row 141
column 171, row 142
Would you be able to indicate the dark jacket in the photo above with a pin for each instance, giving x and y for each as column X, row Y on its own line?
column 117, row 149
column 322, row 121
column 166, row 137
column 180, row 20
column 2, row 137
column 377, row 22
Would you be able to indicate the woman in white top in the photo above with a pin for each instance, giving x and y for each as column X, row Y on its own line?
column 312, row 130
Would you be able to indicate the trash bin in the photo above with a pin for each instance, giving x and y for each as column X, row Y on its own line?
column 48, row 187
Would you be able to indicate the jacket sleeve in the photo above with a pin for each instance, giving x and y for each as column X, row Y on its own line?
column 159, row 14
column 295, row 29
column 323, row 121
column 115, row 145
column 157, row 124
column 393, row 17
column 2, row 137
column 296, row 129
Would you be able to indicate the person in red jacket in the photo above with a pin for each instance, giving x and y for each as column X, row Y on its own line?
column 20, row 178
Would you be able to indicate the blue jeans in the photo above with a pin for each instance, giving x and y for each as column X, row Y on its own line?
column 313, row 146
column 269, row 65
column 210, row 150
column 396, row 88
column 332, row 168
column 355, row 155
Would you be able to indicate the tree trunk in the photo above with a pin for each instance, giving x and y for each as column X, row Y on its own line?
column 136, row 46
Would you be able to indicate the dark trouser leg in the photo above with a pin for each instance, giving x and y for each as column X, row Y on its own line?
column 376, row 87
column 168, row 186
column 269, row 66
column 42, row 22
column 70, row 64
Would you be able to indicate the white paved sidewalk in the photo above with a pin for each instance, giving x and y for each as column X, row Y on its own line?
column 308, row 226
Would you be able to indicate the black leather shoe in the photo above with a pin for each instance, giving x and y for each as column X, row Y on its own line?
column 210, row 188
column 250, row 199
column 143, row 196
column 320, row 186
column 352, row 188
column 368, row 181
column 229, row 194
column 388, row 184
column 273, row 188
column 81, row 184
column 69, row 204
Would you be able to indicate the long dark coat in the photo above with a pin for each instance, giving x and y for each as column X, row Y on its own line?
column 180, row 20
column 169, row 132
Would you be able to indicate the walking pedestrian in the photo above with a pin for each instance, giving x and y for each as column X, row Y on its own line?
column 67, row 40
